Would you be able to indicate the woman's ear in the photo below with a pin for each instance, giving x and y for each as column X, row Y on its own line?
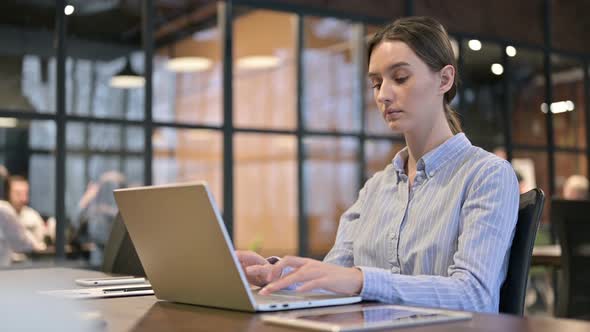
column 447, row 79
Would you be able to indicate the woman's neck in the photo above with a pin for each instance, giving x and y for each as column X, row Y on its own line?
column 424, row 139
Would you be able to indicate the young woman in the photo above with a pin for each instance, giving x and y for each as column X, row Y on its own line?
column 434, row 228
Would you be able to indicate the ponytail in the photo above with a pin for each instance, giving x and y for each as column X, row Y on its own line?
column 453, row 119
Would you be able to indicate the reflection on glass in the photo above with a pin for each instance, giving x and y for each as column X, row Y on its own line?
column 104, row 137
column 330, row 187
column 483, row 112
column 265, row 193
column 330, row 69
column 90, row 93
column 42, row 183
column 134, row 168
column 379, row 154
column 182, row 155
column 28, row 82
column 264, row 70
column 41, row 164
column 187, row 74
column 527, row 88
column 569, row 119
column 566, row 165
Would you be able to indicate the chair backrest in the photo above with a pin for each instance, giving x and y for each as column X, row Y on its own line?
column 512, row 293
column 120, row 256
column 572, row 222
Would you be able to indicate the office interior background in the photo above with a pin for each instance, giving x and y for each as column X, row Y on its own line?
column 268, row 102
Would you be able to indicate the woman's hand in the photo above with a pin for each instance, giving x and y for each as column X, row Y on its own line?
column 314, row 274
column 256, row 267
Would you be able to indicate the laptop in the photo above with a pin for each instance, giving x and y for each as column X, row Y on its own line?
column 120, row 256
column 187, row 254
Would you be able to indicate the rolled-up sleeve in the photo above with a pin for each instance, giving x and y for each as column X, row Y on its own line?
column 13, row 232
column 486, row 228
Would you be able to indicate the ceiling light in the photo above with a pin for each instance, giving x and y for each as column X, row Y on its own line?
column 559, row 107
column 69, row 10
column 256, row 62
column 497, row 69
column 127, row 78
column 510, row 51
column 474, row 44
column 8, row 122
column 206, row 35
column 188, row 64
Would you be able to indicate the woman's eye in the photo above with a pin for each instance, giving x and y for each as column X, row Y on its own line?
column 376, row 85
column 401, row 80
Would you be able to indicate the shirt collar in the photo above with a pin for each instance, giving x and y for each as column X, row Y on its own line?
column 432, row 161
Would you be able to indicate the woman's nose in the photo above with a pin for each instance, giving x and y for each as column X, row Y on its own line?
column 385, row 94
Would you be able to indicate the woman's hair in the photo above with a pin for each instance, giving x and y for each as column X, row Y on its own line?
column 430, row 41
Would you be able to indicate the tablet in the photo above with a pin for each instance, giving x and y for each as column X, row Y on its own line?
column 101, row 292
column 359, row 318
column 109, row 281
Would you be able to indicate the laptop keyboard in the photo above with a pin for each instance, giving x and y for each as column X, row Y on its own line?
column 286, row 296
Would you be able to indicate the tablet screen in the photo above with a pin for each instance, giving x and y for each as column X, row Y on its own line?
column 367, row 317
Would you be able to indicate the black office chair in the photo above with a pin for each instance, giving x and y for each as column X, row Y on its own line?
column 513, row 291
column 572, row 221
column 120, row 256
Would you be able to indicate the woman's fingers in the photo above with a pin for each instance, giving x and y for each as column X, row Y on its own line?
column 255, row 270
column 314, row 274
column 313, row 284
column 302, row 274
column 247, row 258
column 291, row 261
column 257, row 274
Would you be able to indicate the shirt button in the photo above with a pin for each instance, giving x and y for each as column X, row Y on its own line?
column 431, row 173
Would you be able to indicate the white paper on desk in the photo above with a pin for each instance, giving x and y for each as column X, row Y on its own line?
column 102, row 292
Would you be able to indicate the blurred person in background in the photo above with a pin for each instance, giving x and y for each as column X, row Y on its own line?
column 14, row 237
column 576, row 188
column 17, row 194
column 521, row 183
column 98, row 211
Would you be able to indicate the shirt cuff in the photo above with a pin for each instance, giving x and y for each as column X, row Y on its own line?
column 373, row 277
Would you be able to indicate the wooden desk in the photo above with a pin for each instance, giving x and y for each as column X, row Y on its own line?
column 146, row 313
column 549, row 255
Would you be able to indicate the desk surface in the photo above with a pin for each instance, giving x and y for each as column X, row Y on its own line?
column 146, row 313
column 548, row 255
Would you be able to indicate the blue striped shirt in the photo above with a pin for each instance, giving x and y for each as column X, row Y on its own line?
column 445, row 241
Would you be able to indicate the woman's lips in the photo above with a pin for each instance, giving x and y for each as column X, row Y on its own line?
column 392, row 114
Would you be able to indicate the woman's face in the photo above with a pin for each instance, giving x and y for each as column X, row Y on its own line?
column 407, row 92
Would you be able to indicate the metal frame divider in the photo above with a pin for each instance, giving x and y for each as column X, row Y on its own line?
column 226, row 27
column 60, row 110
